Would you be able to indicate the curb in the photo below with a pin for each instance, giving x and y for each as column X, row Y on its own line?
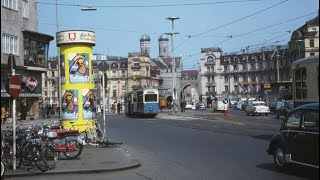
column 121, row 166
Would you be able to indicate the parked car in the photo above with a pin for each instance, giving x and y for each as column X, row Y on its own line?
column 189, row 106
column 243, row 107
column 257, row 107
column 220, row 106
column 200, row 105
column 233, row 100
column 298, row 139
column 285, row 108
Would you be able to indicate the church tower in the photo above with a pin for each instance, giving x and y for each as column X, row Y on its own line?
column 145, row 44
column 163, row 46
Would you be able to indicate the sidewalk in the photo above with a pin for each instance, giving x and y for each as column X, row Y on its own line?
column 92, row 159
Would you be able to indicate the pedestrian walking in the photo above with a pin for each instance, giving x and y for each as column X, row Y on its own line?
column 113, row 108
column 24, row 112
column 3, row 114
column 98, row 111
column 118, row 107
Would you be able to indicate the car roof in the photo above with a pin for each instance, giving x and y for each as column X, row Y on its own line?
column 310, row 106
column 258, row 102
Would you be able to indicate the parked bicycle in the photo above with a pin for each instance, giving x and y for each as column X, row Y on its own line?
column 92, row 135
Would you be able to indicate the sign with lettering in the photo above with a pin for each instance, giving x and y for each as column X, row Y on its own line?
column 31, row 83
column 88, row 108
column 70, row 110
column 78, row 67
column 66, row 37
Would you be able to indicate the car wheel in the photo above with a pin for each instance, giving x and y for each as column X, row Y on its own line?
column 247, row 113
column 279, row 159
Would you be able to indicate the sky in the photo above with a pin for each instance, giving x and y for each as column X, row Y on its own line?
column 230, row 25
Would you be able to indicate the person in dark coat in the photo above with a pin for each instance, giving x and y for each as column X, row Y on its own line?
column 24, row 112
column 118, row 107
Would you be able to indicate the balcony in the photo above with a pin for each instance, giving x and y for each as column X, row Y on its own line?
column 210, row 74
column 209, row 84
column 209, row 63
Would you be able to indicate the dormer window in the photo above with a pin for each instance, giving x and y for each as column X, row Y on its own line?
column 210, row 59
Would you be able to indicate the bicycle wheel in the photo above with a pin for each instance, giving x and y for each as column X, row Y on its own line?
column 99, row 135
column 7, row 155
column 39, row 158
column 83, row 136
column 74, row 149
column 27, row 155
column 49, row 155
column 19, row 156
column 2, row 169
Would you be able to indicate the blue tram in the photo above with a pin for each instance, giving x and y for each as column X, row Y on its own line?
column 142, row 102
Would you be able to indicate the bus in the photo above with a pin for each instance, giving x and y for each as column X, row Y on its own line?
column 142, row 102
column 305, row 80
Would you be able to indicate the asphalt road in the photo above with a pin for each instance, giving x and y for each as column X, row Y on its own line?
column 182, row 148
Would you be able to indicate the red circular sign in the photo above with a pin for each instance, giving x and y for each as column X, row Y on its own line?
column 14, row 86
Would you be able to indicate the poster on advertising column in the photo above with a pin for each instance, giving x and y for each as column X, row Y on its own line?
column 63, row 70
column 70, row 110
column 88, row 109
column 78, row 68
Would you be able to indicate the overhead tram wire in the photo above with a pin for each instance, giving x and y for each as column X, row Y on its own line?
column 237, row 20
column 152, row 6
column 189, row 56
column 259, row 30
column 240, row 19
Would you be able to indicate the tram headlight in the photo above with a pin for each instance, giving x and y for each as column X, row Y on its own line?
column 151, row 109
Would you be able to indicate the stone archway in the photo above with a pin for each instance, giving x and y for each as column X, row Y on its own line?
column 184, row 94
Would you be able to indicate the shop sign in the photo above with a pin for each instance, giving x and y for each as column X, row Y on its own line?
column 31, row 83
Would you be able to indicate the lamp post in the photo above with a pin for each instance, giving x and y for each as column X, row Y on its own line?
column 172, row 19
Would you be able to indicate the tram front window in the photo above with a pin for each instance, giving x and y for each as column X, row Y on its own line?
column 151, row 98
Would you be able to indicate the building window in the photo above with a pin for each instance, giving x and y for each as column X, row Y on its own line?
column 225, row 68
column 311, row 42
column 208, row 79
column 226, row 88
column 235, row 78
column 312, row 54
column 236, row 88
column 11, row 4
column 25, row 9
column 9, row 44
column 114, row 93
column 210, row 59
column 226, row 79
column 235, row 67
column 35, row 52
column 208, row 69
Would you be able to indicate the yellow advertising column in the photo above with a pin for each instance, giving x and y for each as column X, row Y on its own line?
column 77, row 86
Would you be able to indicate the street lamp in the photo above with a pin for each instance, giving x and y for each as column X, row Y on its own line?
column 172, row 19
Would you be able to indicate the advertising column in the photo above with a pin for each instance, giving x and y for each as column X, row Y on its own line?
column 77, row 87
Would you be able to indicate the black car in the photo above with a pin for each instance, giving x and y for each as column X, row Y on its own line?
column 298, row 139
column 285, row 108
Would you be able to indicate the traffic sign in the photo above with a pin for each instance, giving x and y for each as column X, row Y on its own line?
column 267, row 86
column 225, row 101
column 14, row 86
